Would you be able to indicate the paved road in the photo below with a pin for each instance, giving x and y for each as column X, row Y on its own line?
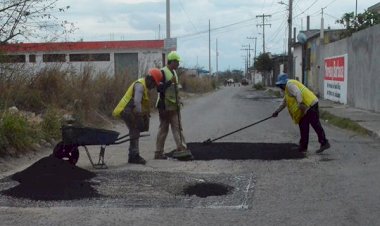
column 339, row 187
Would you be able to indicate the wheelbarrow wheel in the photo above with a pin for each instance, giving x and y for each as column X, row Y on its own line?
column 68, row 152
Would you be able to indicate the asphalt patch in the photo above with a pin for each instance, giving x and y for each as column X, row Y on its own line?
column 244, row 151
column 204, row 189
column 52, row 179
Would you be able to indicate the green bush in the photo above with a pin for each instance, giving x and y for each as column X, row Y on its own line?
column 258, row 86
column 51, row 124
column 16, row 132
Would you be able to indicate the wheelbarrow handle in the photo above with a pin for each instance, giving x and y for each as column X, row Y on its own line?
column 120, row 141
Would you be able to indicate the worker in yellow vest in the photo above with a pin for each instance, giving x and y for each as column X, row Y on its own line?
column 302, row 105
column 134, row 109
column 168, row 104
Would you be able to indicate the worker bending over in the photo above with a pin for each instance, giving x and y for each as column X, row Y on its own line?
column 302, row 105
column 134, row 109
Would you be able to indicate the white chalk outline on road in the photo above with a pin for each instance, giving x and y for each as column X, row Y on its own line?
column 243, row 205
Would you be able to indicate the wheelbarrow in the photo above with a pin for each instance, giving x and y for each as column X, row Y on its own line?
column 74, row 137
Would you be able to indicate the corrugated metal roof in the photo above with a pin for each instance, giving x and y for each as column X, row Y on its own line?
column 78, row 46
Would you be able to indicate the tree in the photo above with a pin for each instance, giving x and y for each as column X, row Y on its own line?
column 359, row 22
column 263, row 63
column 27, row 19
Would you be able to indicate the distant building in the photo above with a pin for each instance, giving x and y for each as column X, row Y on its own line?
column 375, row 8
column 306, row 52
column 132, row 58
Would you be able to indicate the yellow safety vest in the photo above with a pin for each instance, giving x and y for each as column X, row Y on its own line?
column 170, row 93
column 308, row 98
column 145, row 103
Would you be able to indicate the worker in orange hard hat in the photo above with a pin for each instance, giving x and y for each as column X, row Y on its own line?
column 134, row 109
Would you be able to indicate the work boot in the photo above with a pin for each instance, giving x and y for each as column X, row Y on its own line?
column 302, row 149
column 158, row 155
column 136, row 159
column 323, row 147
column 182, row 154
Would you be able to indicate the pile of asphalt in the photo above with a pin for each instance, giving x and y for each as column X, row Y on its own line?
column 244, row 151
column 52, row 179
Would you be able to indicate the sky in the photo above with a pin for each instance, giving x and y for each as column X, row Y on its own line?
column 234, row 25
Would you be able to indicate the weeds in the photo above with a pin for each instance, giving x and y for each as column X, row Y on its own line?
column 258, row 86
column 89, row 96
column 15, row 132
column 343, row 123
column 197, row 84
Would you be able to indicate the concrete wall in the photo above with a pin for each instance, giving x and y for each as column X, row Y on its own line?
column 364, row 69
column 363, row 78
column 297, row 56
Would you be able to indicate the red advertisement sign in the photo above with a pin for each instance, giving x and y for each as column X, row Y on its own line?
column 335, row 69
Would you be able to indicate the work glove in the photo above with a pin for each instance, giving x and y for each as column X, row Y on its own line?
column 302, row 107
column 275, row 114
column 174, row 80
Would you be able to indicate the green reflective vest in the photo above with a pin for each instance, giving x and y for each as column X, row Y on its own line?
column 170, row 92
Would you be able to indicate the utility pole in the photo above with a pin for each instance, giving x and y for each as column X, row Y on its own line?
column 356, row 9
column 248, row 57
column 217, row 53
column 159, row 31
column 263, row 25
column 209, row 47
column 254, row 56
column 290, row 56
column 167, row 18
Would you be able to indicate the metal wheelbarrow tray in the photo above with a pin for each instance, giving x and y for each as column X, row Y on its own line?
column 75, row 136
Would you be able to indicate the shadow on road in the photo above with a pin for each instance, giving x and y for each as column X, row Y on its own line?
column 244, row 151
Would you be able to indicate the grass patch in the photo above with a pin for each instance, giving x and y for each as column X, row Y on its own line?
column 344, row 123
column 258, row 86
column 275, row 93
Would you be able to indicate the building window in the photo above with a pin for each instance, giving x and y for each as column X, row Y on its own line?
column 54, row 58
column 90, row 57
column 12, row 58
column 32, row 58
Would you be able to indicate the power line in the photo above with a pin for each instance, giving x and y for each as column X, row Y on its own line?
column 215, row 29
column 306, row 9
column 187, row 15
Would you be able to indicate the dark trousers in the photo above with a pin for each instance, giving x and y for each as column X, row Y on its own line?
column 311, row 118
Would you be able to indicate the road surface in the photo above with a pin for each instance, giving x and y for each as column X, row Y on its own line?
column 266, row 182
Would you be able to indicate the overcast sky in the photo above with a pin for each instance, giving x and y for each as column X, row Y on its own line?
column 231, row 23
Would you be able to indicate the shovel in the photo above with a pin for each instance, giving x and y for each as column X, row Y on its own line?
column 209, row 141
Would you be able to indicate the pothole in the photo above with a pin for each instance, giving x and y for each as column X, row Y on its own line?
column 206, row 189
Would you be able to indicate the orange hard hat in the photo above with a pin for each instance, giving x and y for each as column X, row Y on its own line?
column 156, row 74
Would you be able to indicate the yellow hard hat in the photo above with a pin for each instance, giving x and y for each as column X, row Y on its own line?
column 173, row 55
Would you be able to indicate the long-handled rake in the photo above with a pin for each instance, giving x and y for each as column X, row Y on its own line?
column 208, row 141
